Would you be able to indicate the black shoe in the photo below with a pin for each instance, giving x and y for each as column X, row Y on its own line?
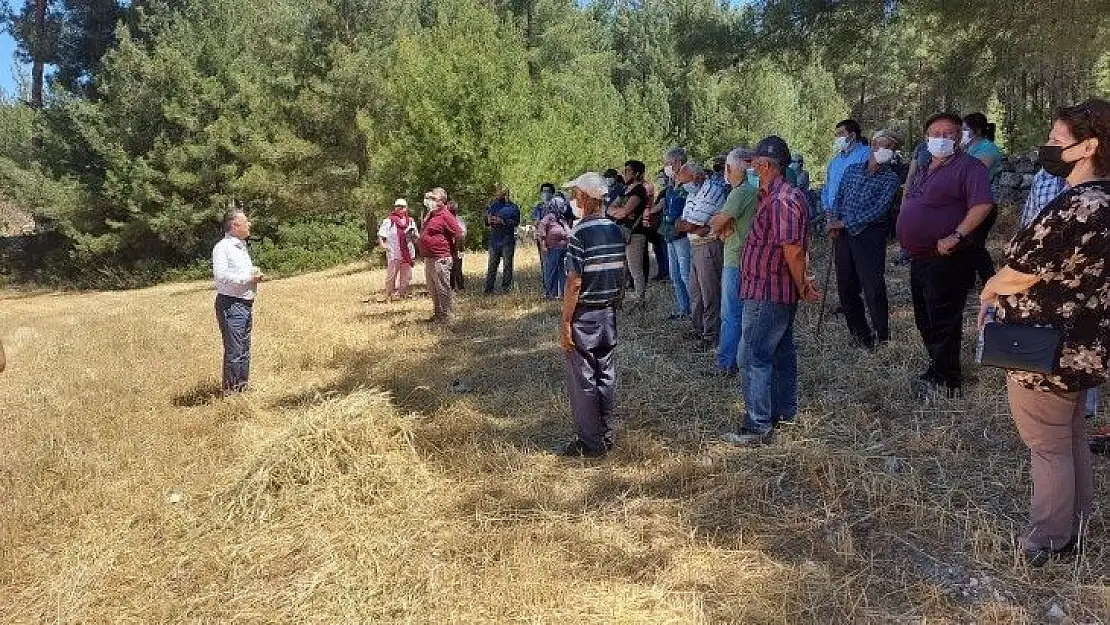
column 662, row 278
column 1041, row 556
column 706, row 345
column 718, row 372
column 1100, row 444
column 578, row 449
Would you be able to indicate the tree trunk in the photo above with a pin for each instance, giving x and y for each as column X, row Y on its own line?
column 38, row 67
column 38, row 64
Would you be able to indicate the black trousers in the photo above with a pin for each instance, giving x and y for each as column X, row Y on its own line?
column 861, row 269
column 984, row 264
column 939, row 286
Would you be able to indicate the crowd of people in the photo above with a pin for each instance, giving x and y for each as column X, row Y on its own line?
column 733, row 237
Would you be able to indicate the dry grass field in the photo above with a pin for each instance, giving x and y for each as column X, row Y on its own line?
column 354, row 484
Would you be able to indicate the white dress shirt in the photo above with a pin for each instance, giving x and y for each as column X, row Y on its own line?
column 232, row 268
column 388, row 232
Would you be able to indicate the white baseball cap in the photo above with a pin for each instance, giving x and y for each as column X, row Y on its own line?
column 591, row 183
column 401, row 202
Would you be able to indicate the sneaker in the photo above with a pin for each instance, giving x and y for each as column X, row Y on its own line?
column 748, row 437
column 578, row 449
column 789, row 421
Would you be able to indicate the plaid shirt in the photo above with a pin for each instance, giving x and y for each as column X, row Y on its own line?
column 864, row 198
column 1045, row 189
column 780, row 219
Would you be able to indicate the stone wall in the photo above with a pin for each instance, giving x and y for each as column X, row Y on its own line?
column 1015, row 180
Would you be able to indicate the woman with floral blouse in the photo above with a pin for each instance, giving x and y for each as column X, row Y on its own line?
column 1057, row 274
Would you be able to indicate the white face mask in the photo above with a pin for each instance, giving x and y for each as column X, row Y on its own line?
column 574, row 208
column 884, row 155
column 840, row 144
column 691, row 188
column 941, row 147
column 967, row 137
column 430, row 204
column 669, row 172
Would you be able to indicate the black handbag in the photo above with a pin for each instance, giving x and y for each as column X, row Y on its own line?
column 1021, row 347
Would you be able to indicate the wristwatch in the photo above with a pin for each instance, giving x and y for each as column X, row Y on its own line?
column 959, row 235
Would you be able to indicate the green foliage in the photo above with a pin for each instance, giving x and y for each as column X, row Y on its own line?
column 297, row 246
column 315, row 114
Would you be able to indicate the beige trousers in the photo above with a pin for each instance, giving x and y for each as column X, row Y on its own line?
column 1052, row 426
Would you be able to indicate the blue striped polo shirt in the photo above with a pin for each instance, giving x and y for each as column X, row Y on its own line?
column 596, row 252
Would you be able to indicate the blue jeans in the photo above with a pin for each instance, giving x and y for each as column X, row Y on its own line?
column 234, row 317
column 770, row 363
column 732, row 316
column 678, row 258
column 498, row 250
column 554, row 276
column 1093, row 400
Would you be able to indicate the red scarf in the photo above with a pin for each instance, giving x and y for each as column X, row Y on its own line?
column 401, row 222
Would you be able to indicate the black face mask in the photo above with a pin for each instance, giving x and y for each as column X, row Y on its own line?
column 1051, row 157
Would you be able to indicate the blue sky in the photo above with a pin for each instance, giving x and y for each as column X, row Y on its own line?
column 8, row 66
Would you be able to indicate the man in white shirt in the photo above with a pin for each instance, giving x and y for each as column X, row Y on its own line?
column 397, row 234
column 236, row 280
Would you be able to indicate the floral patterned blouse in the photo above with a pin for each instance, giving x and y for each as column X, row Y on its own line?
column 1068, row 247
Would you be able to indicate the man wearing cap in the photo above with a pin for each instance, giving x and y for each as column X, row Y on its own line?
column 949, row 197
column 774, row 278
column 595, row 260
column 502, row 217
column 732, row 224
column 441, row 232
column 706, row 250
column 858, row 223
column 396, row 235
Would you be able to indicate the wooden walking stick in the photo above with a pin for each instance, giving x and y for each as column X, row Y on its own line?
column 828, row 276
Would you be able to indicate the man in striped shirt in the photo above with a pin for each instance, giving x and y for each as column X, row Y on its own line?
column 774, row 278
column 588, row 332
column 706, row 250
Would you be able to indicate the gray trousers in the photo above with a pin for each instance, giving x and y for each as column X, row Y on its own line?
column 437, row 274
column 706, row 263
column 234, row 318
column 591, row 374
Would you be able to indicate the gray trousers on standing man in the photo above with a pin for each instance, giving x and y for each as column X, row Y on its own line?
column 706, row 264
column 234, row 317
column 592, row 375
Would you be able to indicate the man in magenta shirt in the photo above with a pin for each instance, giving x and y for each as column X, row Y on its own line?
column 945, row 203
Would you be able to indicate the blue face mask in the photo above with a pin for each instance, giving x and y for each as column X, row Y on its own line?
column 753, row 178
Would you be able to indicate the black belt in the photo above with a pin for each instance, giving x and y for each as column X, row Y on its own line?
column 580, row 306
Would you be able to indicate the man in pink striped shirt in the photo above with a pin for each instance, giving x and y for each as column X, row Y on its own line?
column 773, row 279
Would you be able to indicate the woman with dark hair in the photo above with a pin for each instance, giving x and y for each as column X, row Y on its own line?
column 1057, row 275
column 978, row 142
column 628, row 212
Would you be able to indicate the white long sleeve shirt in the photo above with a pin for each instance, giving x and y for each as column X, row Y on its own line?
column 232, row 268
